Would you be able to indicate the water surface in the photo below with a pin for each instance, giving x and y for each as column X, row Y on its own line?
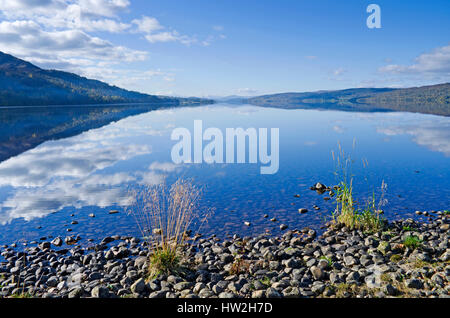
column 90, row 173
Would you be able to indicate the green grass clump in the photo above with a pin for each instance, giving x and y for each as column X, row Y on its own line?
column 163, row 261
column 412, row 242
column 330, row 263
column 265, row 281
column 22, row 295
column 239, row 266
column 420, row 263
column 395, row 258
column 385, row 277
column 347, row 211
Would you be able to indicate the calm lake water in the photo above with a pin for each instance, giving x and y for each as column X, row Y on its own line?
column 90, row 172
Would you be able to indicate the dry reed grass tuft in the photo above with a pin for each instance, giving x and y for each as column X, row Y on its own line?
column 164, row 216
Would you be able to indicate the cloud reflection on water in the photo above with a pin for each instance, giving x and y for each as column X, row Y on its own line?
column 95, row 167
column 433, row 134
column 71, row 172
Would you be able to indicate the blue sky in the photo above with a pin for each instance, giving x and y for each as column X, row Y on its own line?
column 232, row 47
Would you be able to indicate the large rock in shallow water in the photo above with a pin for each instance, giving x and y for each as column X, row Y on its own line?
column 44, row 245
column 57, row 241
column 320, row 186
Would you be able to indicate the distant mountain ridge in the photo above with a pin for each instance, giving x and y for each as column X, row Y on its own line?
column 24, row 84
column 432, row 99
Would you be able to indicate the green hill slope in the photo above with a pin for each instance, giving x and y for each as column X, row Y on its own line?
column 433, row 99
column 22, row 83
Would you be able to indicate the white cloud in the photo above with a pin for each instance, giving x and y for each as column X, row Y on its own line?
column 337, row 74
column 246, row 91
column 155, row 32
column 87, row 15
column 25, row 36
column 72, row 50
column 22, row 8
column 103, row 7
column 147, row 24
column 162, row 37
column 170, row 36
column 436, row 62
column 57, row 34
column 169, row 78
column 339, row 71
column 104, row 25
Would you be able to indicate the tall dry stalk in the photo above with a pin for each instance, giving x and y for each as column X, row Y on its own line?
column 164, row 216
